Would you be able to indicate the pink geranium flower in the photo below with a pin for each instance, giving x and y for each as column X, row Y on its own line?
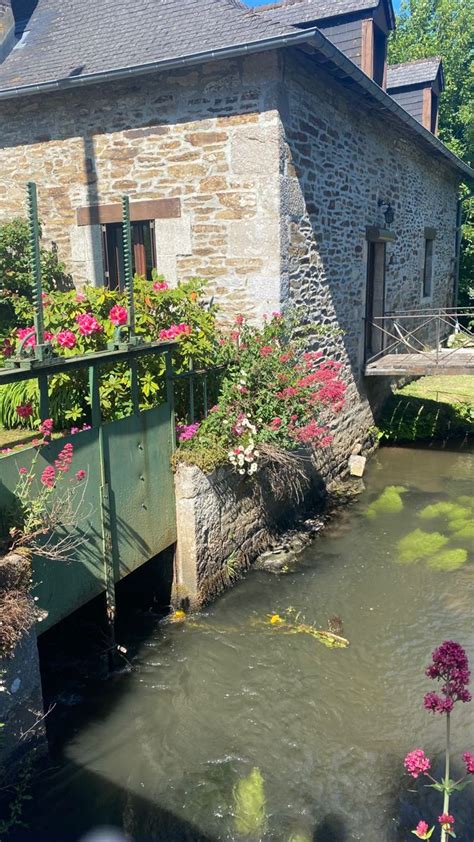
column 160, row 286
column 88, row 324
column 66, row 338
column 118, row 315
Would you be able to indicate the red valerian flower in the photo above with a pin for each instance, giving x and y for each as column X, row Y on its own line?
column 63, row 462
column 417, row 763
column 48, row 477
column 446, row 821
column 118, row 315
column 24, row 410
column 450, row 665
column 80, row 475
column 22, row 471
column 422, row 830
column 46, row 427
column 469, row 761
column 239, row 320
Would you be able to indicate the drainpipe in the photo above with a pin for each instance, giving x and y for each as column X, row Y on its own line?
column 457, row 259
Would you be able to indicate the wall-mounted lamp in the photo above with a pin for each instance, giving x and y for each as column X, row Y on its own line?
column 388, row 212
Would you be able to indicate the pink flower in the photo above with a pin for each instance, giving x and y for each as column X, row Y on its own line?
column 23, row 471
column 88, row 324
column 421, row 830
column 160, row 286
column 48, row 337
column 275, row 424
column 48, row 477
column 266, row 350
column 446, row 821
column 66, row 338
column 186, row 433
column 450, row 665
column 416, row 763
column 118, row 315
column 24, row 410
column 175, row 331
column 23, row 332
column 80, row 475
column 63, row 462
column 239, row 320
column 80, row 297
column 469, row 761
column 46, row 427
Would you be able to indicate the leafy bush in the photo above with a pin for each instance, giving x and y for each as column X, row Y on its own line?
column 273, row 395
column 16, row 282
column 83, row 322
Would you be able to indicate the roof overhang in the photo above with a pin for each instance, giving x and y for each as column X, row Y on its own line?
column 329, row 55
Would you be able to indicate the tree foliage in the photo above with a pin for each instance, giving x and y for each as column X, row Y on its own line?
column 445, row 28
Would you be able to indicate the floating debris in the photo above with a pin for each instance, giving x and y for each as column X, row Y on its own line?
column 291, row 623
column 177, row 617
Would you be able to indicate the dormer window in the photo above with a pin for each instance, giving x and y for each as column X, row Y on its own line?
column 416, row 86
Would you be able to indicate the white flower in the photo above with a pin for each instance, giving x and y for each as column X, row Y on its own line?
column 256, row 453
column 253, row 468
column 231, row 455
column 241, row 471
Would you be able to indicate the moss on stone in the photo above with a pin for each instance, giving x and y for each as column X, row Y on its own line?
column 389, row 502
column 448, row 559
column 418, row 545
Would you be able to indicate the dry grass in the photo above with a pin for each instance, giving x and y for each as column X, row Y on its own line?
column 288, row 473
column 17, row 615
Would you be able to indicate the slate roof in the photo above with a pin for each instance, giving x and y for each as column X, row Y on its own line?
column 66, row 38
column 412, row 72
column 304, row 11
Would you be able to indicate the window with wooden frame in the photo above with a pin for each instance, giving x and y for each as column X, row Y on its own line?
column 143, row 251
column 428, row 264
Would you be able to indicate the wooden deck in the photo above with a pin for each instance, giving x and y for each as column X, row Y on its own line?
column 446, row 361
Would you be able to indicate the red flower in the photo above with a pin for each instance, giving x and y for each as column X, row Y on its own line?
column 446, row 821
column 46, row 427
column 23, row 332
column 63, row 462
column 469, row 761
column 159, row 286
column 22, row 471
column 48, row 477
column 66, row 338
column 239, row 320
column 88, row 324
column 24, row 410
column 118, row 315
column 80, row 475
column 175, row 331
column 266, row 350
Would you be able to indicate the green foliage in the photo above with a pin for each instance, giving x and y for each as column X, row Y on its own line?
column 445, row 28
column 250, row 816
column 156, row 310
column 389, row 502
column 16, row 283
column 451, row 511
column 407, row 418
column 419, row 545
column 272, row 395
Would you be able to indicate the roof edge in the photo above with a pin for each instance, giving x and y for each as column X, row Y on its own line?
column 312, row 36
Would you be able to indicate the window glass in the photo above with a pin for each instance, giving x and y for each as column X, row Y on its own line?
column 143, row 252
column 428, row 269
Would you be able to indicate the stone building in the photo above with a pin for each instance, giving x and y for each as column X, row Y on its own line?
column 260, row 150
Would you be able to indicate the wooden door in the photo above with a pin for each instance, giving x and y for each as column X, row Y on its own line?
column 375, row 298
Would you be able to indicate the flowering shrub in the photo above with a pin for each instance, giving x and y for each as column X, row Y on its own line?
column 48, row 502
column 273, row 394
column 450, row 666
column 82, row 322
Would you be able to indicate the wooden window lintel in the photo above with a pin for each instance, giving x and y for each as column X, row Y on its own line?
column 139, row 212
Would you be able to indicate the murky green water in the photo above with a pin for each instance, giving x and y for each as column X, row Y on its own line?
column 159, row 752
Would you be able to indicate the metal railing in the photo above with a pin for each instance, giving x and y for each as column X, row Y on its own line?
column 422, row 331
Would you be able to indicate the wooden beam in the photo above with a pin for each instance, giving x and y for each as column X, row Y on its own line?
column 426, row 114
column 367, row 57
column 139, row 212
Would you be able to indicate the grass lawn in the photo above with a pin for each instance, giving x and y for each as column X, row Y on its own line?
column 444, row 389
column 9, row 438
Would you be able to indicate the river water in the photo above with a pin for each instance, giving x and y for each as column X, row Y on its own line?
column 229, row 729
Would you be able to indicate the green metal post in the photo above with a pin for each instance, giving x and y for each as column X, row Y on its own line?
column 192, row 414
column 107, row 549
column 170, row 397
column 35, row 261
column 127, row 262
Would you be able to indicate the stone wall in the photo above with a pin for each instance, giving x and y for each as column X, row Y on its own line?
column 225, row 521
column 206, row 136
column 338, row 159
